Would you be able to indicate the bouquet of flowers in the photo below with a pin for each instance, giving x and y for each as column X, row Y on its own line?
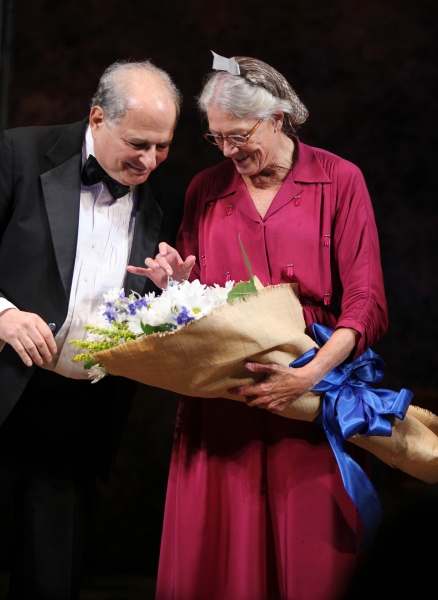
column 195, row 340
column 124, row 318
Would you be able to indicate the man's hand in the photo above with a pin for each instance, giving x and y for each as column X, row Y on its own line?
column 167, row 263
column 28, row 335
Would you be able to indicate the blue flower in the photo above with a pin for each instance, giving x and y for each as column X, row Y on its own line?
column 132, row 308
column 109, row 315
column 141, row 302
column 183, row 318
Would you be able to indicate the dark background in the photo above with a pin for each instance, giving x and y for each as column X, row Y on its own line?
column 367, row 71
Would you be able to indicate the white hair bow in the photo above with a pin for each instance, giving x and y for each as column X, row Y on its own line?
column 220, row 63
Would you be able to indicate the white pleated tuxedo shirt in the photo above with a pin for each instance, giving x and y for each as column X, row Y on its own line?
column 106, row 229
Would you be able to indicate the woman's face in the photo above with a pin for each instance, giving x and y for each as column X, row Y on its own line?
column 257, row 154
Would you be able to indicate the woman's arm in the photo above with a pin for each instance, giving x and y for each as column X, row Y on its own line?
column 356, row 256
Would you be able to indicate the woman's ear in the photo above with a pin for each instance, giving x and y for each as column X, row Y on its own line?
column 278, row 119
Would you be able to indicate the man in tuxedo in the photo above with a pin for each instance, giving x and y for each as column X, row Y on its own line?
column 77, row 204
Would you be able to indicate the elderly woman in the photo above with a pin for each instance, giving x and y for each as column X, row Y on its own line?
column 256, row 508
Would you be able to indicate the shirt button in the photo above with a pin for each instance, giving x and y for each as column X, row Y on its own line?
column 99, row 210
column 87, row 279
column 80, row 315
column 93, row 245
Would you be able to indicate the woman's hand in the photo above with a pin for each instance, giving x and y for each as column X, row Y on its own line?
column 280, row 388
column 283, row 385
column 167, row 263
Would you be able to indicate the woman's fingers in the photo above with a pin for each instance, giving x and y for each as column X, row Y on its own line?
column 261, row 387
column 167, row 263
column 282, row 386
column 187, row 266
column 162, row 262
column 156, row 274
column 174, row 266
column 138, row 270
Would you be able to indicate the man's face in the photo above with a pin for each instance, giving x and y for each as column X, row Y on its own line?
column 130, row 149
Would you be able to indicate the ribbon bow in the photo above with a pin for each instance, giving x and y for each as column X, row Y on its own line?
column 220, row 63
column 351, row 406
column 93, row 173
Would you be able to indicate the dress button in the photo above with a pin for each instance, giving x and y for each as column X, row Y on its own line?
column 87, row 279
column 52, row 326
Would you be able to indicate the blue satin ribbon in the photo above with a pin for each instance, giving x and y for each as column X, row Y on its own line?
column 351, row 406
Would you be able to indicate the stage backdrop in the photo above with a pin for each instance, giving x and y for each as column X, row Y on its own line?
column 367, row 70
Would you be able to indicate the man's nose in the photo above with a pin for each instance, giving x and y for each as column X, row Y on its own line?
column 148, row 158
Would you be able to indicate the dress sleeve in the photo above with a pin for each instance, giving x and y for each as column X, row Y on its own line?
column 188, row 239
column 357, row 258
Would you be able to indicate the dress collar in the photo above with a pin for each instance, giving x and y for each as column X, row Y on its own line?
column 305, row 169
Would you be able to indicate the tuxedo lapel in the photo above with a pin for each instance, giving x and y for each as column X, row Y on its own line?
column 61, row 189
column 146, row 233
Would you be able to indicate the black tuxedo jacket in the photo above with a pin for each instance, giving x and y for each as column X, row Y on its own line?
column 40, row 170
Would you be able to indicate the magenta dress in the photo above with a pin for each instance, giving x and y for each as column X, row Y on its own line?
column 256, row 508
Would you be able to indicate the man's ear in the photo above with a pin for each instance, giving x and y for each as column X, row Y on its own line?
column 97, row 117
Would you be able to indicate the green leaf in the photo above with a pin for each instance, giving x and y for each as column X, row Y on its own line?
column 244, row 287
column 149, row 329
column 245, row 256
column 89, row 363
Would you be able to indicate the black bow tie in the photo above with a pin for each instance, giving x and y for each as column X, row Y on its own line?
column 93, row 173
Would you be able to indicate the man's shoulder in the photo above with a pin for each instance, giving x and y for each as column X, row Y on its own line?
column 44, row 137
column 42, row 131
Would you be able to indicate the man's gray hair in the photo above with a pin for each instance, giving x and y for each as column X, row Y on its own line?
column 259, row 91
column 112, row 93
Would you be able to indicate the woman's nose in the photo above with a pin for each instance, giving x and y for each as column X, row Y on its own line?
column 229, row 149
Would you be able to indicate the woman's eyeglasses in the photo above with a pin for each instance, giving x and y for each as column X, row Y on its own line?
column 237, row 140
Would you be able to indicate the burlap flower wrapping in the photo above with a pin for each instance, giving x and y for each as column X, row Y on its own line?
column 208, row 356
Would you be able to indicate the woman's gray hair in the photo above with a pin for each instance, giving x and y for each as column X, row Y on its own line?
column 259, row 91
column 112, row 93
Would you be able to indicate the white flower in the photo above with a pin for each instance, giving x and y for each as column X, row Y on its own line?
column 96, row 373
column 113, row 294
column 96, row 337
column 159, row 312
column 218, row 294
column 134, row 321
column 191, row 296
column 98, row 320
